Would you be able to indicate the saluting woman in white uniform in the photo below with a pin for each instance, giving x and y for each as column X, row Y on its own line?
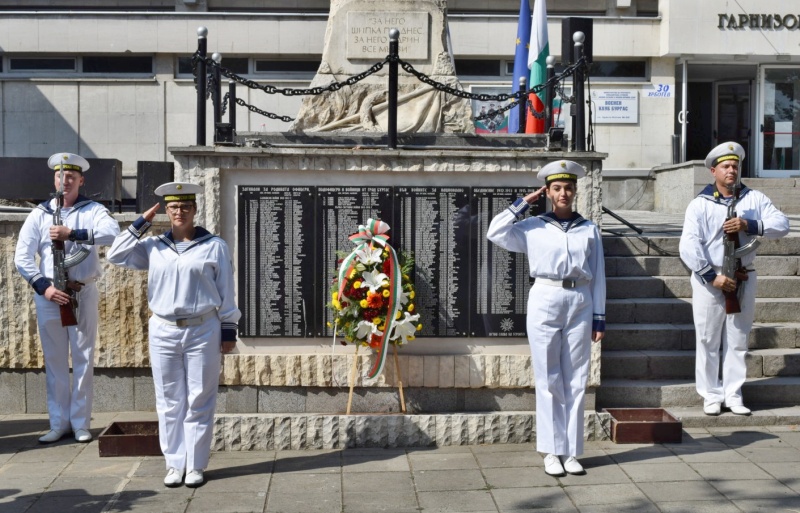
column 566, row 307
column 191, row 294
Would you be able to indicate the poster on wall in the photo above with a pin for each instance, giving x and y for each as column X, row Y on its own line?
column 615, row 106
column 497, row 124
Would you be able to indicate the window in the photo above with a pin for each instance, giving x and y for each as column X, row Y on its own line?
column 112, row 64
column 41, row 64
column 265, row 66
column 89, row 64
column 479, row 68
column 618, row 69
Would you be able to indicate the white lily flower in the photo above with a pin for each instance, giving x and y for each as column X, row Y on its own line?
column 369, row 256
column 365, row 329
column 405, row 327
column 373, row 279
column 403, row 298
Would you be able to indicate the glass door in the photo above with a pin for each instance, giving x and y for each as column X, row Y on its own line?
column 732, row 117
column 780, row 122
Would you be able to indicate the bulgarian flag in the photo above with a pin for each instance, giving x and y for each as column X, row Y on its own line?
column 539, row 50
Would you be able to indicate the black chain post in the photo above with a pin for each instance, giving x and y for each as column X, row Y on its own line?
column 202, row 49
column 522, row 118
column 548, row 101
column 217, row 93
column 232, row 96
column 579, row 123
column 394, row 57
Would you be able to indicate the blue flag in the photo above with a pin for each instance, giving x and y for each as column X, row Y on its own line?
column 520, row 60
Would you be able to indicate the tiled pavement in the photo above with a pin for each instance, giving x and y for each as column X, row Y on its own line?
column 714, row 470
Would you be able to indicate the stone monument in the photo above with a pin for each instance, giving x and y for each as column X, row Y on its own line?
column 357, row 36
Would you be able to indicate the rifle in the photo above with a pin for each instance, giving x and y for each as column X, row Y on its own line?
column 61, row 263
column 732, row 259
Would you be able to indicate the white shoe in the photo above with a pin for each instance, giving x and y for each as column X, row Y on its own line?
column 572, row 466
column 552, row 466
column 739, row 410
column 194, row 478
column 712, row 409
column 174, row 477
column 54, row 435
column 83, row 436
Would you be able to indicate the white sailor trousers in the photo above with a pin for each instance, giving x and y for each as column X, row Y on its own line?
column 714, row 329
column 186, row 365
column 69, row 407
column 559, row 332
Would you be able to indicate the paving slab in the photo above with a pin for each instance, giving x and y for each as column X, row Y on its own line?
column 715, row 470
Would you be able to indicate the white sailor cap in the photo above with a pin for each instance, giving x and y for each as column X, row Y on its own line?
column 179, row 191
column 68, row 161
column 561, row 170
column 725, row 151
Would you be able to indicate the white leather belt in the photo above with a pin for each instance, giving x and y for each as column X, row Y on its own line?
column 188, row 321
column 567, row 284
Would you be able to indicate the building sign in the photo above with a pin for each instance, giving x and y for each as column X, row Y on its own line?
column 368, row 34
column 616, row 106
column 773, row 21
column 659, row 91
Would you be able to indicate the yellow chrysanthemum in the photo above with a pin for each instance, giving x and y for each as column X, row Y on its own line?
column 419, row 327
column 399, row 314
column 336, row 304
column 411, row 294
column 410, row 337
column 385, row 293
column 356, row 284
column 382, row 327
column 363, row 303
column 335, row 296
column 377, row 321
column 411, row 307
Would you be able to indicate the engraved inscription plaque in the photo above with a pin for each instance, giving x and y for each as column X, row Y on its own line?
column 501, row 278
column 368, row 34
column 276, row 261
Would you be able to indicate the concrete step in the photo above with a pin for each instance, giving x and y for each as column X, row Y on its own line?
column 679, row 310
column 676, row 337
column 644, row 245
column 621, row 287
column 762, row 184
column 693, row 417
column 772, row 265
column 681, row 364
column 629, row 393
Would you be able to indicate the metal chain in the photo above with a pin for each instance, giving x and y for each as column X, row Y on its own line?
column 251, row 108
column 225, row 103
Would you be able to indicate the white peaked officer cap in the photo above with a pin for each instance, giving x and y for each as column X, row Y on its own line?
column 179, row 191
column 725, row 151
column 561, row 170
column 68, row 161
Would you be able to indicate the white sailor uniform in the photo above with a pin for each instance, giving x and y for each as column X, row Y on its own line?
column 702, row 250
column 68, row 407
column 566, row 303
column 191, row 295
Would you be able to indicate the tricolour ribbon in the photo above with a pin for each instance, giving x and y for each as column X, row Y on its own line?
column 374, row 232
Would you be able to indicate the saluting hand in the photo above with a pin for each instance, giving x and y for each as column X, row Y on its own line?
column 151, row 213
column 535, row 195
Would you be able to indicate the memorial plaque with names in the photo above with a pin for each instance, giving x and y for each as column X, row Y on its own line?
column 340, row 211
column 501, row 279
column 368, row 34
column 276, row 261
column 434, row 225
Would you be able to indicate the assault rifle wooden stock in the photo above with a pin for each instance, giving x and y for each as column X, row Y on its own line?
column 60, row 278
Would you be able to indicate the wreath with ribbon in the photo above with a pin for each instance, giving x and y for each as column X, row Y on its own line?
column 372, row 295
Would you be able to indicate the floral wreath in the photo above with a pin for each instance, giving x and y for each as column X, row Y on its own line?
column 372, row 295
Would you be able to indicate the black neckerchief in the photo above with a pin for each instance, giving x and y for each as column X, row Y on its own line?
column 550, row 217
column 80, row 202
column 711, row 193
column 200, row 235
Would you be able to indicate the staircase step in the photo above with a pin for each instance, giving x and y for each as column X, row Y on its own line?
column 681, row 392
column 621, row 287
column 681, row 364
column 679, row 310
column 660, row 246
column 659, row 337
column 771, row 265
column 693, row 417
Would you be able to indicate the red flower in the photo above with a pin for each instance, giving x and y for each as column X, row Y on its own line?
column 375, row 341
column 374, row 301
column 387, row 266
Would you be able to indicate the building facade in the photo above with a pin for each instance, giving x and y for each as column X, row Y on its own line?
column 113, row 78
